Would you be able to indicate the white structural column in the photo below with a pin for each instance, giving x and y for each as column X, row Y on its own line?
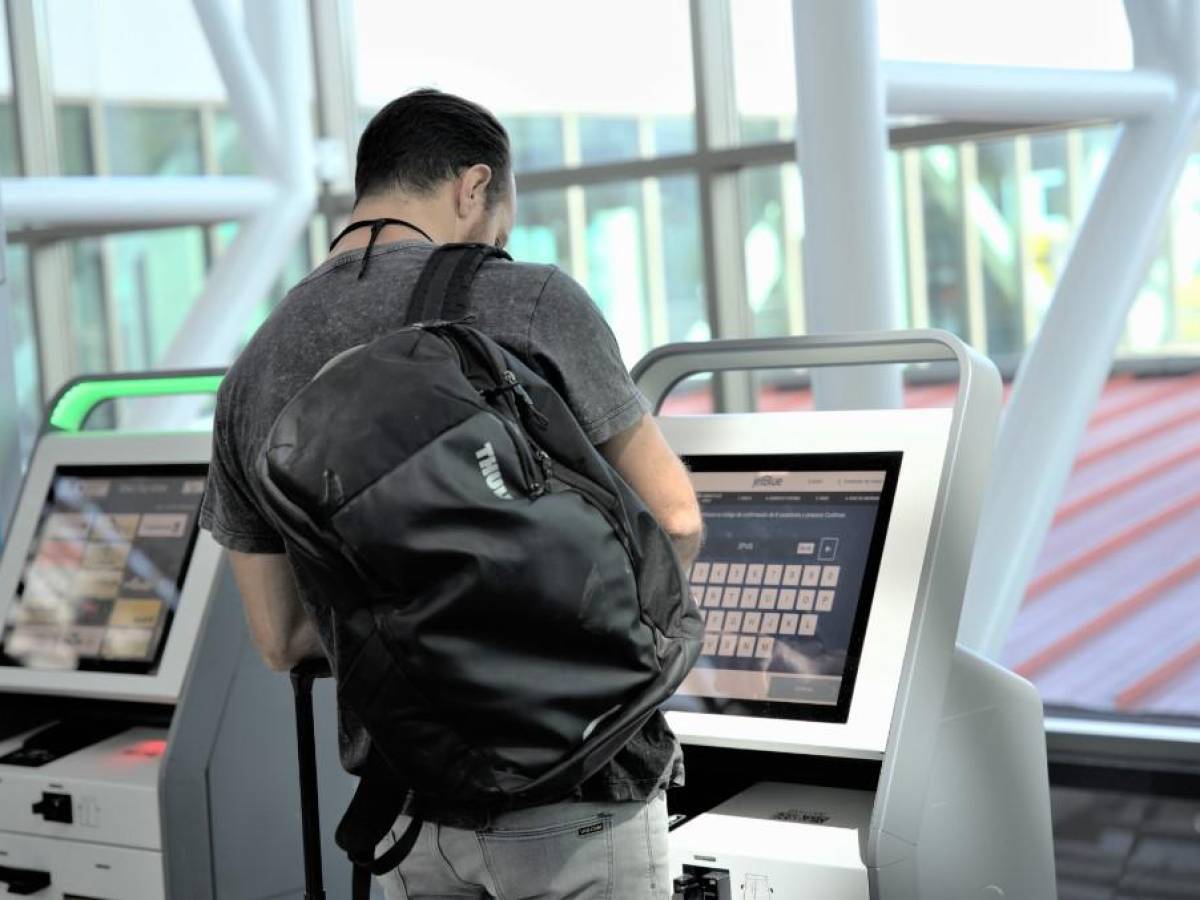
column 10, row 418
column 842, row 151
column 1066, row 368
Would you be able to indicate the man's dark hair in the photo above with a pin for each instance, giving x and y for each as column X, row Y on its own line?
column 427, row 137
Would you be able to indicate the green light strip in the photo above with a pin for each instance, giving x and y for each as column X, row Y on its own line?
column 79, row 400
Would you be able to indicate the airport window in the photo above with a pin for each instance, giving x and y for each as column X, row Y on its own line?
column 232, row 158
column 764, row 70
column 150, row 141
column 772, row 221
column 642, row 261
column 608, row 112
column 10, row 158
column 154, row 278
column 76, row 155
column 88, row 309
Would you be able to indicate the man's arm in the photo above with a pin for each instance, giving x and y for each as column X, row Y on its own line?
column 642, row 457
column 281, row 629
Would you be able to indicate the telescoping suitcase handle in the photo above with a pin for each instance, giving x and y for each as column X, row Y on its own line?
column 303, row 676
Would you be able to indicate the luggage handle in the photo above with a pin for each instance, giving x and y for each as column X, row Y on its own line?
column 303, row 675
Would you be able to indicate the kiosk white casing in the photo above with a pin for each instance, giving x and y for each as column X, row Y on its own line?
column 961, row 807
column 201, row 800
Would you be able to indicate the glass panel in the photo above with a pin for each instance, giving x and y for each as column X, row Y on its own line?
column 613, row 238
column 155, row 277
column 945, row 266
column 152, row 141
column 622, row 93
column 232, row 156
column 10, row 154
column 995, row 211
column 773, row 221
column 89, row 320
column 75, row 152
column 764, row 70
column 1015, row 33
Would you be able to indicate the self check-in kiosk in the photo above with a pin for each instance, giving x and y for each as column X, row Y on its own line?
column 145, row 751
column 839, row 745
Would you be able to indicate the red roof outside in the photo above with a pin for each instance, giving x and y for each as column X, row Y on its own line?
column 1111, row 618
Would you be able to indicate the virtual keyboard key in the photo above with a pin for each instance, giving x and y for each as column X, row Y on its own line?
column 788, row 623
column 712, row 596
column 765, row 648
column 791, row 575
column 806, row 600
column 745, row 646
column 767, row 598
column 811, row 576
column 749, row 598
column 717, row 573
column 787, row 599
column 754, row 573
column 731, row 597
column 808, row 625
column 728, row 645
column 737, row 573
column 711, row 642
column 773, row 574
column 715, row 620
column 770, row 623
column 750, row 622
column 830, row 575
column 733, row 621
column 700, row 572
column 824, row 601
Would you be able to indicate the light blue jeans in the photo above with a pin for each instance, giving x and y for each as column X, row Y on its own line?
column 567, row 851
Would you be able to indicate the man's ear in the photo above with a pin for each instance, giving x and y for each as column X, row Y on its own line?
column 472, row 189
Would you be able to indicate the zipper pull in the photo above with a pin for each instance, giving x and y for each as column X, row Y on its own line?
column 510, row 379
column 546, row 463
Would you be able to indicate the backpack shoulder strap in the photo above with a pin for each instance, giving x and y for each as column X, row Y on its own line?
column 443, row 292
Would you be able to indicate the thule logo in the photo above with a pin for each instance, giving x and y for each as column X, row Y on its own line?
column 490, row 470
column 768, row 481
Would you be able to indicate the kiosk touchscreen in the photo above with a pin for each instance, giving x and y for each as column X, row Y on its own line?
column 101, row 582
column 785, row 580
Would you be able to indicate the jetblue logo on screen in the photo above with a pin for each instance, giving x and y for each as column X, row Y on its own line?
column 768, row 481
column 490, row 470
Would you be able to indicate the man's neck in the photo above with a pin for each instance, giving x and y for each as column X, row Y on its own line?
column 419, row 215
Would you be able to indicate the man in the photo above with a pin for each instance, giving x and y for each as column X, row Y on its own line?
column 439, row 169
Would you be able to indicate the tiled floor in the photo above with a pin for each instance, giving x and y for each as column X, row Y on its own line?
column 1125, row 846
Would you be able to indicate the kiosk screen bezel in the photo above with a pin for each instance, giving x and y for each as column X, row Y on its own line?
column 149, row 667
column 889, row 462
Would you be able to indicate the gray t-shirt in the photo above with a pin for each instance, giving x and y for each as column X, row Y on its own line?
column 535, row 311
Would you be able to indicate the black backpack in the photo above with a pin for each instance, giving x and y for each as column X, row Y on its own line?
column 506, row 612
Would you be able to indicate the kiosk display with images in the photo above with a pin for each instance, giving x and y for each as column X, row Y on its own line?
column 135, row 714
column 838, row 744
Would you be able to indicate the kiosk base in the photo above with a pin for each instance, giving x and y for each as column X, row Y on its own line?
column 985, row 830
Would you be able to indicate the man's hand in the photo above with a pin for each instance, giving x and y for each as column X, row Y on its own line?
column 281, row 629
column 644, row 459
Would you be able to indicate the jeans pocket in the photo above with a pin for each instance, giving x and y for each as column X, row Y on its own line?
column 574, row 859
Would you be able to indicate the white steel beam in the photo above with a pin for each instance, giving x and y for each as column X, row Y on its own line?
column 969, row 93
column 1065, row 369
column 11, row 461
column 842, row 151
column 125, row 202
column 250, row 96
